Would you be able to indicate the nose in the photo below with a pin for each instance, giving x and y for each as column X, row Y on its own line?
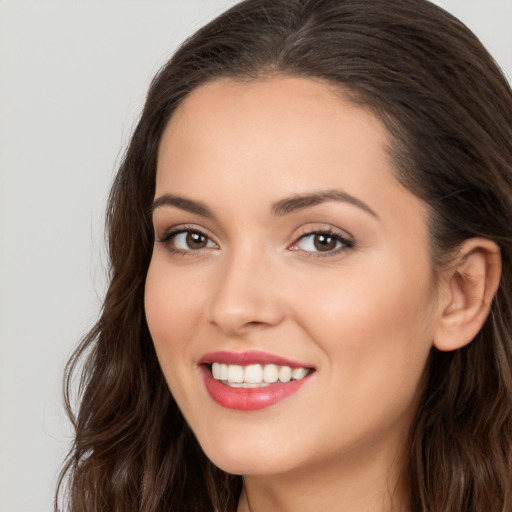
column 246, row 296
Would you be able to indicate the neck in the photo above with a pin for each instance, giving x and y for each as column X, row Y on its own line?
column 360, row 484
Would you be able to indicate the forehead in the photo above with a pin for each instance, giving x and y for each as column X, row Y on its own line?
column 280, row 125
column 240, row 148
column 277, row 99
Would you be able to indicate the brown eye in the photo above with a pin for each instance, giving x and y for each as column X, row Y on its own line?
column 196, row 240
column 188, row 241
column 324, row 242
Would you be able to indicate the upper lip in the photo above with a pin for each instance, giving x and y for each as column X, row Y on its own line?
column 249, row 357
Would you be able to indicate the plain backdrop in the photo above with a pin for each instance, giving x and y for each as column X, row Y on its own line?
column 73, row 75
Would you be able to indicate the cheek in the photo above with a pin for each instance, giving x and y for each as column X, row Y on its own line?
column 376, row 331
column 172, row 311
column 363, row 304
column 171, row 303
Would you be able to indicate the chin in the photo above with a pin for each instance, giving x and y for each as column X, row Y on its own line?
column 246, row 455
column 237, row 465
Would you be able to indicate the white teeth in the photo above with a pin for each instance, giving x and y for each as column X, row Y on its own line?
column 245, row 385
column 235, row 373
column 270, row 373
column 223, row 371
column 255, row 375
column 216, row 371
column 299, row 373
column 285, row 374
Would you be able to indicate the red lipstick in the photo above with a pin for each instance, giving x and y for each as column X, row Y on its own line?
column 252, row 398
column 249, row 357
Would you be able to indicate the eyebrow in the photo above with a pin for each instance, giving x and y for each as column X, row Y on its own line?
column 302, row 201
column 183, row 204
column 279, row 209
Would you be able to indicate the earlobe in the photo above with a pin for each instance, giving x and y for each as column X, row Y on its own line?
column 469, row 287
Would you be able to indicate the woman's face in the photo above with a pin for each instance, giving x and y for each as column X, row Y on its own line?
column 286, row 249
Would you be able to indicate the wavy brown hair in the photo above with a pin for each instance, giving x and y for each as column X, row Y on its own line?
column 448, row 109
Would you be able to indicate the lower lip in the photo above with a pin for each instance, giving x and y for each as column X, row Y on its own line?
column 249, row 399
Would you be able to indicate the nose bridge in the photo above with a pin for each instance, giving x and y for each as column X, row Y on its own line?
column 245, row 294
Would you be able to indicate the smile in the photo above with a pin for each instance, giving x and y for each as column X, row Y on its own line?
column 251, row 381
column 255, row 375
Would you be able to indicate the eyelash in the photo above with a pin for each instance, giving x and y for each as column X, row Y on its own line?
column 168, row 237
column 345, row 243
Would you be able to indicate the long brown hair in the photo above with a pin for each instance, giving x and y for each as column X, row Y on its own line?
column 448, row 109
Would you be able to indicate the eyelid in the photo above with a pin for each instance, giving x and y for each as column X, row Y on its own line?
column 344, row 238
column 172, row 232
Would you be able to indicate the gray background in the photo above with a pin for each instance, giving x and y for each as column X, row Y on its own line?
column 73, row 74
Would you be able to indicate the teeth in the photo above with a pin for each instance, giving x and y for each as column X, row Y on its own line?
column 223, row 373
column 235, row 373
column 255, row 375
column 271, row 373
column 299, row 373
column 285, row 374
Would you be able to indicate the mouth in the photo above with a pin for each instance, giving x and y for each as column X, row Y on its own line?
column 255, row 375
column 251, row 380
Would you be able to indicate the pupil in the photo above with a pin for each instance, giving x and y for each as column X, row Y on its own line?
column 196, row 240
column 325, row 242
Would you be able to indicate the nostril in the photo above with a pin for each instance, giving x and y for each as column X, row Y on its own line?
column 240, row 303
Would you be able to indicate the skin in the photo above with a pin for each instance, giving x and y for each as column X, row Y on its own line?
column 364, row 317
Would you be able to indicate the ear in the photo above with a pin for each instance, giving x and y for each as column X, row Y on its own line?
column 467, row 290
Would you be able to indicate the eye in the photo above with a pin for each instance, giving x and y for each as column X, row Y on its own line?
column 322, row 243
column 187, row 240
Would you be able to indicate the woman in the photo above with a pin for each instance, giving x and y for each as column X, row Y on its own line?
column 309, row 307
